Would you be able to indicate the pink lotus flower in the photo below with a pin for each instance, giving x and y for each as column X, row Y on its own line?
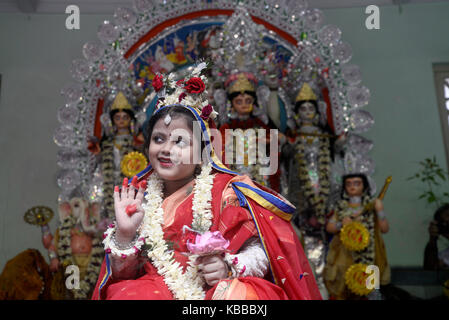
column 208, row 243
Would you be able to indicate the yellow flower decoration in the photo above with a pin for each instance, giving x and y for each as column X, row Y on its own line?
column 133, row 163
column 355, row 279
column 354, row 236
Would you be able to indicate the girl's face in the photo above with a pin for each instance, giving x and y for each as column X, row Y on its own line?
column 171, row 150
column 243, row 104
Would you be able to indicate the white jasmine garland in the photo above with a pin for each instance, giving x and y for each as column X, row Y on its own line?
column 188, row 285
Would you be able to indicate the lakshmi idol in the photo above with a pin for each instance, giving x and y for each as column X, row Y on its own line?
column 244, row 128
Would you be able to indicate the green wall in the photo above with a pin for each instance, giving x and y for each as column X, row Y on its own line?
column 396, row 62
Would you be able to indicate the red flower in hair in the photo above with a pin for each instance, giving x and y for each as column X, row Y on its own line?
column 205, row 113
column 195, row 85
column 157, row 83
column 181, row 96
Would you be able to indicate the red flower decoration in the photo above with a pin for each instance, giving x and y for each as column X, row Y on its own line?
column 205, row 113
column 157, row 83
column 195, row 85
column 179, row 82
column 181, row 96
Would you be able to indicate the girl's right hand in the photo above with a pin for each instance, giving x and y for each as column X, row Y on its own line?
column 128, row 209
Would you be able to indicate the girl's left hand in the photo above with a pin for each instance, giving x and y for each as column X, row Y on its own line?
column 213, row 268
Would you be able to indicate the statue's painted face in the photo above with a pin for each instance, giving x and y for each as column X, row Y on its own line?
column 307, row 112
column 121, row 120
column 354, row 186
column 243, row 104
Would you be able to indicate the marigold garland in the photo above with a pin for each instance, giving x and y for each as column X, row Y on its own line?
column 133, row 163
column 354, row 236
column 356, row 279
column 366, row 218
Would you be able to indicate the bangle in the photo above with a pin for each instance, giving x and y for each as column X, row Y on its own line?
column 112, row 246
column 236, row 269
column 122, row 246
column 381, row 215
column 52, row 255
column 45, row 229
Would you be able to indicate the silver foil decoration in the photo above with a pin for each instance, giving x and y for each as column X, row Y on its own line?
column 64, row 136
column 68, row 115
column 315, row 250
column 68, row 179
column 92, row 51
column 361, row 121
column 359, row 144
column 80, row 69
column 351, row 74
column 358, row 96
column 342, row 52
column 72, row 92
column 124, row 17
column 107, row 32
column 143, row 5
column 329, row 35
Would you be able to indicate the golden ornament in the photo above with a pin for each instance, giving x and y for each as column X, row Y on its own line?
column 354, row 236
column 133, row 163
column 241, row 85
column 306, row 93
column 120, row 103
column 356, row 279
column 38, row 215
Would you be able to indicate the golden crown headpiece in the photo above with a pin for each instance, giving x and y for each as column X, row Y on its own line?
column 306, row 93
column 121, row 103
column 240, row 83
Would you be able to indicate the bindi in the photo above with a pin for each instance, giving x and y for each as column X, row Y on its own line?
column 167, row 119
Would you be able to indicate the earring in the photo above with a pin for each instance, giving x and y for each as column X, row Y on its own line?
column 132, row 128
column 232, row 114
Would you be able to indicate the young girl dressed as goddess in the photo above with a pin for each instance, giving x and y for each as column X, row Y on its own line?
column 188, row 229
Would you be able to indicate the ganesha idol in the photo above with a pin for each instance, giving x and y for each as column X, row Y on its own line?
column 77, row 242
